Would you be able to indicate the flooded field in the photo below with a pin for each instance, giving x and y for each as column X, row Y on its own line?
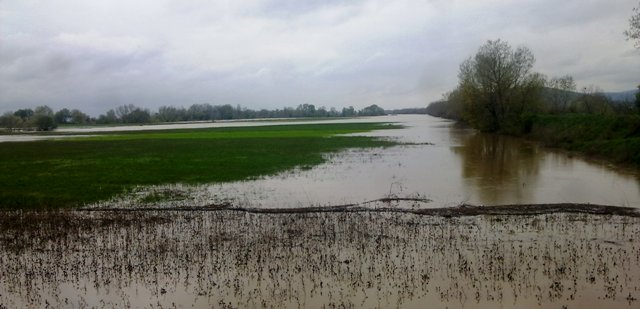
column 379, row 228
column 440, row 165
column 34, row 137
column 228, row 259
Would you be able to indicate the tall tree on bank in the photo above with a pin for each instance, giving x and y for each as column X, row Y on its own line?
column 498, row 87
column 633, row 33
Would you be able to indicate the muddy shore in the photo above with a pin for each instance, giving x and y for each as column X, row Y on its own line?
column 547, row 256
column 384, row 205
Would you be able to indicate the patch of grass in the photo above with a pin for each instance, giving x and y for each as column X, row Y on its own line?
column 614, row 137
column 67, row 173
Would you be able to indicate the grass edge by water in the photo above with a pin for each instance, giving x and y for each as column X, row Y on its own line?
column 68, row 173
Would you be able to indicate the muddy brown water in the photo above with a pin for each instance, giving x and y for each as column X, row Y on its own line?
column 194, row 257
column 228, row 259
column 444, row 164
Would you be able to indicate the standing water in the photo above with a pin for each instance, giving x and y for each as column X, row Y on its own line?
column 440, row 165
column 226, row 258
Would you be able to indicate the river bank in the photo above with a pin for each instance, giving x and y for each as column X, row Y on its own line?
column 615, row 138
column 434, row 164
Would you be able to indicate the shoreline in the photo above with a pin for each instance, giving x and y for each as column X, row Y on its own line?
column 459, row 211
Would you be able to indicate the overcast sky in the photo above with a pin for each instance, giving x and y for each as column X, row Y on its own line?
column 95, row 55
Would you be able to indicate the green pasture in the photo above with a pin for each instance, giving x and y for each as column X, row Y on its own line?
column 67, row 173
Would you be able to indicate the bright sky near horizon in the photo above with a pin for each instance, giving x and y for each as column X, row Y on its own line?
column 96, row 55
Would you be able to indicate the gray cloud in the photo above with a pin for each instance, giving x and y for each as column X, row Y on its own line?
column 270, row 54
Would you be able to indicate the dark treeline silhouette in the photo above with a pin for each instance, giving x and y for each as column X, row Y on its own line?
column 416, row 110
column 589, row 100
column 43, row 118
column 499, row 92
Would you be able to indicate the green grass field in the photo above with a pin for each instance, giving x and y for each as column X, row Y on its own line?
column 68, row 173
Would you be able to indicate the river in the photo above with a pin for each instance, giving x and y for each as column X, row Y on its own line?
column 442, row 166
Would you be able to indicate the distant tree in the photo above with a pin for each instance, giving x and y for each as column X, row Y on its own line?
column 449, row 107
column 322, row 112
column 171, row 114
column 123, row 111
column 132, row 114
column 43, row 118
column 79, row 117
column 208, row 112
column 44, row 122
column 306, row 110
column 63, row 116
column 137, row 115
column 593, row 101
column 407, row 111
column 263, row 113
column 371, row 110
column 10, row 121
column 111, row 117
column 348, row 111
column 43, row 110
column 288, row 112
column 455, row 104
column 498, row 86
column 561, row 95
column 633, row 33
column 223, row 112
column 24, row 114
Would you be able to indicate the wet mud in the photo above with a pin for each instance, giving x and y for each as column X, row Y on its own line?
column 580, row 257
column 407, row 205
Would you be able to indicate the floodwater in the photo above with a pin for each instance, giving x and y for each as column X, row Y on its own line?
column 444, row 166
column 216, row 124
column 67, row 131
column 31, row 137
column 226, row 259
column 136, row 254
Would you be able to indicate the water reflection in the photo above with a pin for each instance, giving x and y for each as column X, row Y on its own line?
column 499, row 168
column 234, row 260
column 445, row 164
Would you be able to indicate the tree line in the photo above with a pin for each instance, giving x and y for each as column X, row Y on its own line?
column 43, row 118
column 498, row 91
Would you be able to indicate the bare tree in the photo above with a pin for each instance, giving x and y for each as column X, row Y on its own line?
column 561, row 95
column 593, row 101
column 633, row 33
column 498, row 86
column 43, row 110
column 11, row 121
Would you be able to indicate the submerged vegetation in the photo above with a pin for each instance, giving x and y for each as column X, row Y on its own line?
column 72, row 172
column 226, row 259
